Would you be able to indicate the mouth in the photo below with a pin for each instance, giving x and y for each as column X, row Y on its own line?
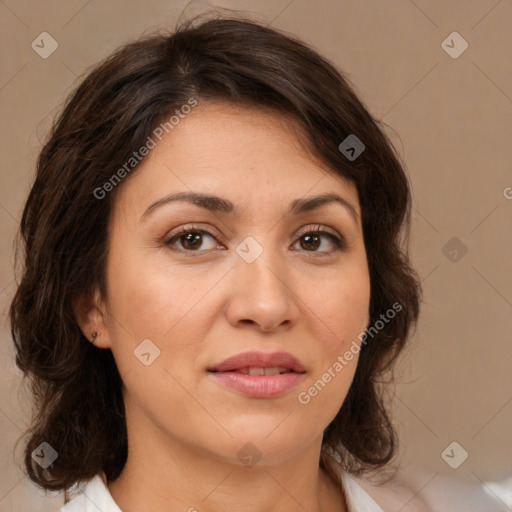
column 259, row 375
column 260, row 363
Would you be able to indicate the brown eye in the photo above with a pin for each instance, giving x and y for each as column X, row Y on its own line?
column 311, row 241
column 190, row 240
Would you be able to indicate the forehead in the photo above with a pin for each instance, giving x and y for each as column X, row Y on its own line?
column 246, row 153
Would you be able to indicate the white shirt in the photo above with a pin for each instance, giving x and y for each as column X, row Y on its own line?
column 417, row 494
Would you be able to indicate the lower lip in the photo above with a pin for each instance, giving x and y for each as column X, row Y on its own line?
column 260, row 386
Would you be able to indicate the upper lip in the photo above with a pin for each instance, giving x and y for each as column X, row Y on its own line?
column 259, row 360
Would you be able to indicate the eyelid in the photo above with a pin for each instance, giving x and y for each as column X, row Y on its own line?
column 309, row 228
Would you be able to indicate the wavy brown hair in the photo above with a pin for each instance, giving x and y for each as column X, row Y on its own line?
column 77, row 390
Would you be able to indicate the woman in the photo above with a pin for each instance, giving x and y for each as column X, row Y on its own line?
column 215, row 281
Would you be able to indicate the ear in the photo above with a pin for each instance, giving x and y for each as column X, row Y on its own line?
column 90, row 314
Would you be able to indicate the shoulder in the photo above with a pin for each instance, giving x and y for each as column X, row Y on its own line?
column 413, row 489
column 90, row 496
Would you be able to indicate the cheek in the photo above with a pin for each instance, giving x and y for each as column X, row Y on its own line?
column 151, row 303
column 339, row 304
column 341, row 314
column 172, row 308
column 152, row 299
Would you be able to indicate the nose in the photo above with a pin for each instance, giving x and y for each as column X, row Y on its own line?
column 263, row 294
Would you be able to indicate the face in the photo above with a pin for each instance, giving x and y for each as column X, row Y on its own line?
column 201, row 284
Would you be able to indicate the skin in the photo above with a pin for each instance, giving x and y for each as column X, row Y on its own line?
column 185, row 428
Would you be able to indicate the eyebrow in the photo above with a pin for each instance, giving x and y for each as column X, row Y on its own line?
column 218, row 204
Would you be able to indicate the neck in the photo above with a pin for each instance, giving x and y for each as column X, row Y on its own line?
column 181, row 477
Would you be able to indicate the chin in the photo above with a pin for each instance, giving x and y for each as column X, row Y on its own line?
column 258, row 447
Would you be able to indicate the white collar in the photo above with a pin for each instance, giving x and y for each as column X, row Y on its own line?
column 443, row 494
column 358, row 500
column 94, row 495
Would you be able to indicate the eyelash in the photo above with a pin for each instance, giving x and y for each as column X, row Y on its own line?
column 339, row 243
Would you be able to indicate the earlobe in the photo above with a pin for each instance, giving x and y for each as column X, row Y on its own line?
column 90, row 317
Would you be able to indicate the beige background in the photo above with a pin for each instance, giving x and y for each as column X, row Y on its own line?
column 450, row 118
